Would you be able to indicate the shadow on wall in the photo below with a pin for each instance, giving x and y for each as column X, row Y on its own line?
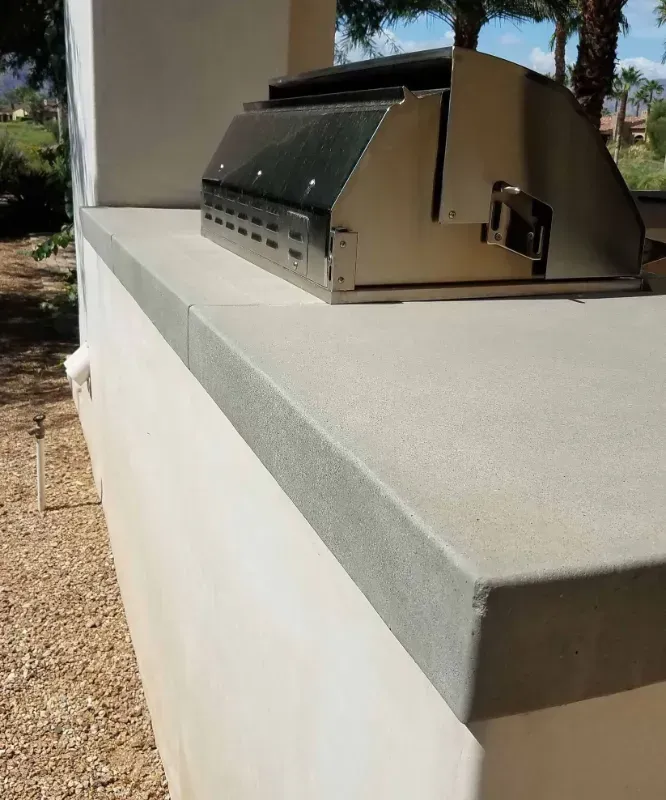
column 609, row 747
column 84, row 190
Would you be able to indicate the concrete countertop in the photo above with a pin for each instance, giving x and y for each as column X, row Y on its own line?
column 492, row 474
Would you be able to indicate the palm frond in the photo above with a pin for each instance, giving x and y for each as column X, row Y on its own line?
column 660, row 12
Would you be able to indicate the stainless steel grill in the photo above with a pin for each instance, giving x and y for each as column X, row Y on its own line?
column 441, row 174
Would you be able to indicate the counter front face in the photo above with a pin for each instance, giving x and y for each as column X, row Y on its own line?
column 490, row 474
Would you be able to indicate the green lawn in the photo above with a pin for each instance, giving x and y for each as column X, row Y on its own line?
column 28, row 135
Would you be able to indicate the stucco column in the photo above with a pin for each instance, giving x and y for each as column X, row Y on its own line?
column 153, row 86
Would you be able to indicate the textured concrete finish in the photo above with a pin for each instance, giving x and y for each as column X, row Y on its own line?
column 489, row 473
column 166, row 275
column 268, row 673
column 520, row 483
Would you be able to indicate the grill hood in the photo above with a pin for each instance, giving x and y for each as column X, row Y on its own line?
column 441, row 174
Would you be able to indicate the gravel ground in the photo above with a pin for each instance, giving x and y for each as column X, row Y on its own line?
column 73, row 721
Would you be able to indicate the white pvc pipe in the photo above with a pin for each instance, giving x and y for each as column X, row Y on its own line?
column 41, row 499
column 77, row 365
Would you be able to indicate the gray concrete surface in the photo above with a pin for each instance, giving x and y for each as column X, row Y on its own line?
column 167, row 274
column 490, row 473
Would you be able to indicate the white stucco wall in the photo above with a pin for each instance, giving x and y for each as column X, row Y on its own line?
column 153, row 87
column 82, row 129
column 267, row 672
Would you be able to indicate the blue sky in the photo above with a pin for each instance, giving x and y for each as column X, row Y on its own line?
column 528, row 44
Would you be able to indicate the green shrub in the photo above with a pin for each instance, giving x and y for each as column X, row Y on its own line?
column 38, row 188
column 54, row 243
column 12, row 164
column 643, row 174
column 638, row 152
column 38, row 197
column 656, row 128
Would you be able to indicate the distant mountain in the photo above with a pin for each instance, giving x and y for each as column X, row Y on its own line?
column 609, row 107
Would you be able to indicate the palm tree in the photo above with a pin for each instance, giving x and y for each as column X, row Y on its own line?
column 629, row 78
column 360, row 20
column 641, row 97
column 467, row 17
column 653, row 89
column 616, row 92
column 566, row 24
column 660, row 13
column 599, row 30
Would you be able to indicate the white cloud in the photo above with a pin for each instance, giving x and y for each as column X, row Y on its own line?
column 509, row 39
column 541, row 62
column 650, row 69
column 411, row 46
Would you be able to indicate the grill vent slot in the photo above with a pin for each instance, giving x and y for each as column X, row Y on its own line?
column 283, row 228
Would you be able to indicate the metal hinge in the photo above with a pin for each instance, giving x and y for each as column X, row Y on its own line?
column 342, row 260
column 518, row 222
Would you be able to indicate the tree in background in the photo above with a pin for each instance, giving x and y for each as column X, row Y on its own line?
column 364, row 23
column 32, row 42
column 653, row 89
column 600, row 25
column 32, row 37
column 656, row 128
column 13, row 98
column 629, row 78
column 615, row 92
column 27, row 98
column 660, row 13
column 600, row 22
column 566, row 24
column 641, row 98
column 361, row 20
